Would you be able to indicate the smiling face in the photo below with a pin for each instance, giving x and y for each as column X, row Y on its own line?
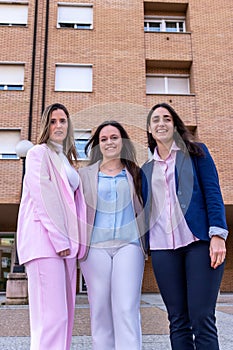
column 110, row 142
column 162, row 127
column 58, row 126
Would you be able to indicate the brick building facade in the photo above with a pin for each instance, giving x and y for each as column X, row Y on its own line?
column 114, row 59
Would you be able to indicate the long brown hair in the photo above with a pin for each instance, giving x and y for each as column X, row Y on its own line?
column 127, row 157
column 68, row 143
column 182, row 136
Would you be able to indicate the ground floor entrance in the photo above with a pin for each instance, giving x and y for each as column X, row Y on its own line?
column 6, row 258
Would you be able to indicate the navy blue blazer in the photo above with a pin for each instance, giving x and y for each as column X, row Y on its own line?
column 198, row 192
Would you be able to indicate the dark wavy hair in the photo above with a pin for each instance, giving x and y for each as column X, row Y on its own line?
column 182, row 136
column 127, row 156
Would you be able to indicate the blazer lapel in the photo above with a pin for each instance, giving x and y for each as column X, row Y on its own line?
column 92, row 182
column 184, row 177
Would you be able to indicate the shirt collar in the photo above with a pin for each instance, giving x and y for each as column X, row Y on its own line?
column 174, row 148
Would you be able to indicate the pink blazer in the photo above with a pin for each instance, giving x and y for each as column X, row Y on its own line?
column 51, row 217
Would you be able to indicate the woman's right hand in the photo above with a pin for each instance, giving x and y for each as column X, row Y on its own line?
column 217, row 251
column 64, row 253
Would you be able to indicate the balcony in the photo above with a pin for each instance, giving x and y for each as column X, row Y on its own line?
column 184, row 105
column 167, row 46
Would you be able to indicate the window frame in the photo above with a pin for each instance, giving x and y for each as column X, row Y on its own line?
column 82, row 135
column 162, row 21
column 166, row 78
column 8, row 156
column 72, row 65
column 14, row 23
column 12, row 85
column 76, row 24
column 6, row 152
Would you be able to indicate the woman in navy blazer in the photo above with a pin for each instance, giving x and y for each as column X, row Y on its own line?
column 186, row 228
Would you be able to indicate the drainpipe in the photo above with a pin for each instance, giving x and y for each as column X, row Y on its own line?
column 33, row 72
column 45, row 55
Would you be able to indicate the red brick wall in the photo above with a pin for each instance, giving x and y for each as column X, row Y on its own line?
column 121, row 54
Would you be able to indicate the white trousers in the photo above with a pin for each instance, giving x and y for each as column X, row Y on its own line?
column 114, row 278
column 52, row 291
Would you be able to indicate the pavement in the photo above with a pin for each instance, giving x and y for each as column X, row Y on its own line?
column 14, row 324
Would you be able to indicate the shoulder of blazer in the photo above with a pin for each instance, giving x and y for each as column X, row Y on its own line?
column 40, row 149
column 38, row 153
column 147, row 163
column 196, row 160
column 87, row 170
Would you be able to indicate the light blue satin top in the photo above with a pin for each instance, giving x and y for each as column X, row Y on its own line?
column 115, row 218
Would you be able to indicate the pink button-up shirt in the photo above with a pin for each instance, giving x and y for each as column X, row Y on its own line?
column 168, row 228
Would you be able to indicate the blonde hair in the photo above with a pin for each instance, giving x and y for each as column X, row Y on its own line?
column 68, row 144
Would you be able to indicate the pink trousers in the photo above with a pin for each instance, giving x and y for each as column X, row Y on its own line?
column 52, row 291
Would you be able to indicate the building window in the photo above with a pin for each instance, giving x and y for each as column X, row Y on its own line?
column 81, row 139
column 73, row 78
column 8, row 156
column 156, row 24
column 8, row 141
column 75, row 16
column 13, row 14
column 6, row 258
column 11, row 76
column 156, row 84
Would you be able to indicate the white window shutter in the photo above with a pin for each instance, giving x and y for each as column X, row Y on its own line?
column 13, row 14
column 73, row 78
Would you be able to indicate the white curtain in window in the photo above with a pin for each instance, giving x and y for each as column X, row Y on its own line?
column 13, row 14
column 155, row 85
column 8, row 141
column 73, row 78
column 75, row 14
column 178, row 85
column 11, row 74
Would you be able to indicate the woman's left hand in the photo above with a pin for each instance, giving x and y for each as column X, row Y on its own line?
column 217, row 251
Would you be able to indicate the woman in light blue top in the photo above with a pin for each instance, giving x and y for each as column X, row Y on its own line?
column 114, row 263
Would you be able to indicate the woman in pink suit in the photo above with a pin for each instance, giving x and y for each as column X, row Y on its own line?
column 49, row 228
